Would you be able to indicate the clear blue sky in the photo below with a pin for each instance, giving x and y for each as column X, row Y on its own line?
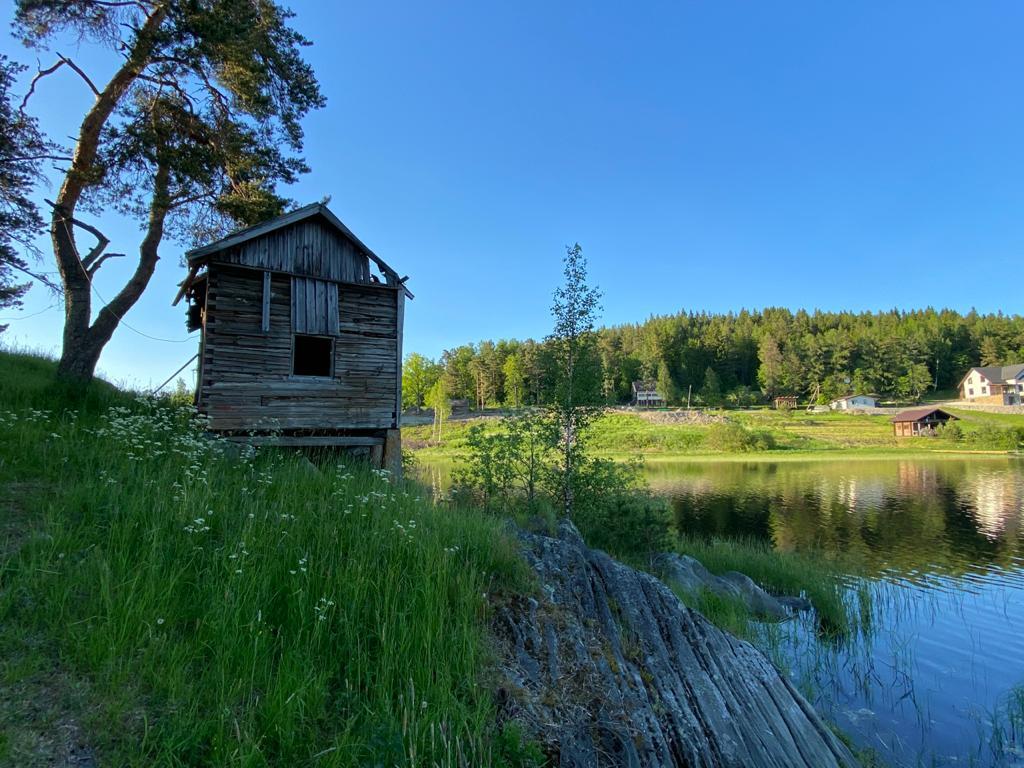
column 707, row 155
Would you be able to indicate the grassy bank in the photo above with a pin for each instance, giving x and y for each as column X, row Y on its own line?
column 164, row 602
column 795, row 574
column 753, row 435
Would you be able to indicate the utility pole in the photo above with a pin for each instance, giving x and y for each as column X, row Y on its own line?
column 689, row 390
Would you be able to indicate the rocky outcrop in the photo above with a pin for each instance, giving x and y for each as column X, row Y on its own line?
column 690, row 576
column 607, row 667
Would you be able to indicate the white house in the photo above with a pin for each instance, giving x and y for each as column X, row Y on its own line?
column 853, row 401
column 994, row 384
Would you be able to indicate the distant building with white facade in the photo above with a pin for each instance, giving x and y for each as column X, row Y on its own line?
column 853, row 401
column 994, row 385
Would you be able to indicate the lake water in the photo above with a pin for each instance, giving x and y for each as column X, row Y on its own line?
column 939, row 546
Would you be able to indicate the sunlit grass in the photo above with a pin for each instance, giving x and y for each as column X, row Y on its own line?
column 793, row 434
column 230, row 609
column 781, row 573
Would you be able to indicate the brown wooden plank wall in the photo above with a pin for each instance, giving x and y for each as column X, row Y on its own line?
column 247, row 381
column 309, row 247
column 314, row 306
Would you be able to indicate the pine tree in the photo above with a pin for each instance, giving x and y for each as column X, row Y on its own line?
column 190, row 136
column 22, row 150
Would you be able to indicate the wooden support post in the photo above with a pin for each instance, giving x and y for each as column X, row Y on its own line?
column 377, row 456
column 265, row 321
column 391, row 460
column 400, row 322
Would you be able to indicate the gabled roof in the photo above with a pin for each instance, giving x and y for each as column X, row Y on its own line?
column 645, row 386
column 916, row 414
column 287, row 219
column 998, row 373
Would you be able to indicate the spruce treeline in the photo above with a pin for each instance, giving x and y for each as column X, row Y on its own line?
column 741, row 358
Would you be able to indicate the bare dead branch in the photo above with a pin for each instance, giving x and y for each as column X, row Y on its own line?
column 29, row 158
column 102, row 241
column 76, row 68
column 38, row 76
column 61, row 61
column 96, row 265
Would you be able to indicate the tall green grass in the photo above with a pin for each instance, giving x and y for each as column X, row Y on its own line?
column 238, row 609
column 782, row 573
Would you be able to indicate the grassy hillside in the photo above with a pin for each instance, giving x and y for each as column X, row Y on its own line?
column 768, row 433
column 166, row 602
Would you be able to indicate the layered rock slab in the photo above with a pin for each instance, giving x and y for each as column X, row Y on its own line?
column 606, row 667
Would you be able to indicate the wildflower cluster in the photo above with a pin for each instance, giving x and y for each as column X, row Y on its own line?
column 238, row 556
column 322, row 607
column 405, row 530
column 153, row 429
column 199, row 525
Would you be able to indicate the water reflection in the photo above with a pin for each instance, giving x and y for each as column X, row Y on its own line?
column 942, row 545
column 905, row 519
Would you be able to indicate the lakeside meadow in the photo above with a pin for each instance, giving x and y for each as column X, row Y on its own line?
column 751, row 435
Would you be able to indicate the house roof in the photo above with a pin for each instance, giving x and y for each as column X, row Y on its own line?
column 917, row 414
column 998, row 373
column 284, row 220
column 850, row 397
column 645, row 386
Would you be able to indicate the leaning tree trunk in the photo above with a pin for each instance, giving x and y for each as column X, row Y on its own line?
column 82, row 342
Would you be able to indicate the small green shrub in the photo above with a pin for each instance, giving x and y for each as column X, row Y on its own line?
column 616, row 512
column 995, row 438
column 730, row 437
column 951, row 431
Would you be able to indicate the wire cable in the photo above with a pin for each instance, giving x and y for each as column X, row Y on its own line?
column 12, row 318
column 106, row 304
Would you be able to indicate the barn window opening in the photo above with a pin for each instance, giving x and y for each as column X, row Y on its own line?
column 312, row 355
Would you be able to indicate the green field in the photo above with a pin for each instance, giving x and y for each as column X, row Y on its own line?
column 774, row 435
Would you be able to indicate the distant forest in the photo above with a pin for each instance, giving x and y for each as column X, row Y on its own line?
column 736, row 359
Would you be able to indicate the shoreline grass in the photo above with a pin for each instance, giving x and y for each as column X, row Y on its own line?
column 781, row 573
column 215, row 608
column 774, row 436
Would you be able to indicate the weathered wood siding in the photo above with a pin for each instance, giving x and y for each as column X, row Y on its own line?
column 309, row 247
column 314, row 306
column 247, row 380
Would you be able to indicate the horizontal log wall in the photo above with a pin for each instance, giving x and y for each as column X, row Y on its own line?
column 247, row 373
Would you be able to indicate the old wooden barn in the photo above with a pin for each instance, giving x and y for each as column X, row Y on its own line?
column 301, row 340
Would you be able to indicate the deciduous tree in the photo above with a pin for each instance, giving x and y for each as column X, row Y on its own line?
column 577, row 366
column 418, row 375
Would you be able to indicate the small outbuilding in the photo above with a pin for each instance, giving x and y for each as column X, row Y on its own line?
column 920, row 422
column 851, row 402
column 301, row 339
column 783, row 402
column 645, row 395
